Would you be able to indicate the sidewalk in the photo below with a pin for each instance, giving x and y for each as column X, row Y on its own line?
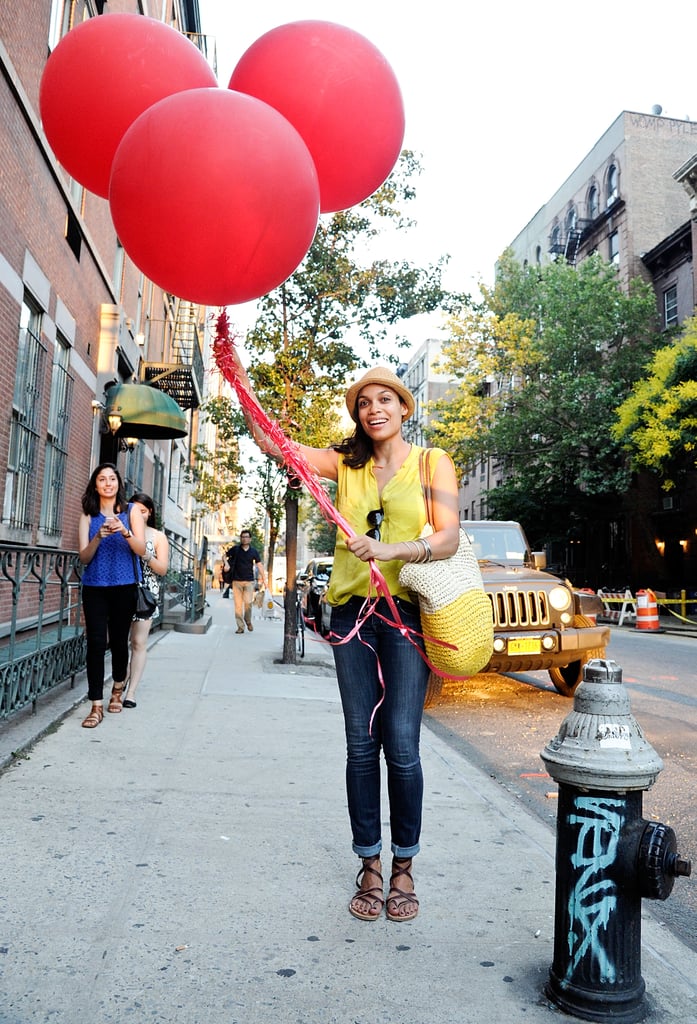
column 189, row 862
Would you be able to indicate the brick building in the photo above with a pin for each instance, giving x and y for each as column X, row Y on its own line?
column 75, row 314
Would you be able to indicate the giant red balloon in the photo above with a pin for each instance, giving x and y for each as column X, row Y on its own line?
column 342, row 96
column 214, row 196
column 100, row 77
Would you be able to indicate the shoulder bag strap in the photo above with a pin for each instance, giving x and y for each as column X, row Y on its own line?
column 425, row 476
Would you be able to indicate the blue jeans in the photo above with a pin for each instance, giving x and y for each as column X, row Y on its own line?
column 396, row 727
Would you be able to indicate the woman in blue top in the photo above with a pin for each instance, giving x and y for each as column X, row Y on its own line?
column 108, row 540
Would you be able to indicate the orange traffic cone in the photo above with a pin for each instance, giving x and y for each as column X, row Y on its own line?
column 647, row 612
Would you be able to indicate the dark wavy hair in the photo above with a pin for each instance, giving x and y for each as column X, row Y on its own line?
column 356, row 449
column 145, row 499
column 90, row 499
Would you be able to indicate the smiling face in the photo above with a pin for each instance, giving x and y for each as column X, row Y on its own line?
column 380, row 411
column 107, row 484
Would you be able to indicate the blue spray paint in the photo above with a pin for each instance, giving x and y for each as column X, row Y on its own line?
column 593, row 897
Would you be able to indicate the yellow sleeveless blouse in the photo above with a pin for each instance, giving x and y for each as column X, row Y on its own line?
column 402, row 502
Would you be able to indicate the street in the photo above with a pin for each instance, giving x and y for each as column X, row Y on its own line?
column 503, row 722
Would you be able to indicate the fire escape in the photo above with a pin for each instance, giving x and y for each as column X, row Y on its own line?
column 568, row 246
column 178, row 370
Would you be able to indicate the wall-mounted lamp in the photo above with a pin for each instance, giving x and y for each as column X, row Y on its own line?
column 114, row 421
column 661, row 545
column 683, row 545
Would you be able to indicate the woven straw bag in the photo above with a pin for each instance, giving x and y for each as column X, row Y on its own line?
column 453, row 604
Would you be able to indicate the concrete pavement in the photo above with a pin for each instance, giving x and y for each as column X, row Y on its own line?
column 189, row 862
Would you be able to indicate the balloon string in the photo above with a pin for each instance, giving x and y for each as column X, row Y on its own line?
column 293, row 459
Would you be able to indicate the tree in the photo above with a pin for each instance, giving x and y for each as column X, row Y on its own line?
column 657, row 422
column 541, row 364
column 301, row 348
column 216, row 473
column 322, row 534
column 268, row 488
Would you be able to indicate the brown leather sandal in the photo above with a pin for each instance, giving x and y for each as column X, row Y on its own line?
column 94, row 718
column 398, row 899
column 115, row 705
column 373, row 896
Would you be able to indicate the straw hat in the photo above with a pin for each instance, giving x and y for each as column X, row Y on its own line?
column 379, row 375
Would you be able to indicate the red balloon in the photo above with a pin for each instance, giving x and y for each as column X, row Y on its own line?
column 338, row 90
column 100, row 77
column 214, row 196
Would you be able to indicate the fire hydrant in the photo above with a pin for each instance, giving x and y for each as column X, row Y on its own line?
column 608, row 857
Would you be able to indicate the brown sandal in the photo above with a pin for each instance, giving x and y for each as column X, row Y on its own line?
column 94, row 718
column 373, row 896
column 398, row 898
column 115, row 705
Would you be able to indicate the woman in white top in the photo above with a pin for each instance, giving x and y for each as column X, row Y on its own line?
column 154, row 562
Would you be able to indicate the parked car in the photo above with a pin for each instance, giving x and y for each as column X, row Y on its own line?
column 314, row 580
column 540, row 620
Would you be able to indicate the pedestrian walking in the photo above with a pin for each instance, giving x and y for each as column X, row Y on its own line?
column 154, row 565
column 379, row 493
column 244, row 561
column 110, row 533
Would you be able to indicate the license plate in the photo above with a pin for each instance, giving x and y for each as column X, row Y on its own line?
column 524, row 645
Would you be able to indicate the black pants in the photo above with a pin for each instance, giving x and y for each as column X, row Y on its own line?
column 108, row 615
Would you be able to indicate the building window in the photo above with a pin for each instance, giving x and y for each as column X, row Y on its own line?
column 614, row 248
column 571, row 221
column 57, row 441
column 73, row 234
column 555, row 246
column 593, row 205
column 158, row 487
column 60, row 21
column 26, row 406
column 670, row 306
column 119, row 264
column 613, row 190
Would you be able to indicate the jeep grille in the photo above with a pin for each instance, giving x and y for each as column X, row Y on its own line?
column 520, row 608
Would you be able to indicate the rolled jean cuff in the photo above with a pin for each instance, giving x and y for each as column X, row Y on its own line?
column 367, row 851
column 404, row 852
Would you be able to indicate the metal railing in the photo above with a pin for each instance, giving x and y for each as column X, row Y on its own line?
column 42, row 640
column 42, row 637
column 185, row 583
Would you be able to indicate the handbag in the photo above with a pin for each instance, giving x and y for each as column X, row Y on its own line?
column 146, row 602
column 453, row 603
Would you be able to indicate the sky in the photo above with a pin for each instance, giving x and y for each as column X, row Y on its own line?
column 502, row 98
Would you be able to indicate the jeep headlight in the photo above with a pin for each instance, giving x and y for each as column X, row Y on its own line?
column 559, row 598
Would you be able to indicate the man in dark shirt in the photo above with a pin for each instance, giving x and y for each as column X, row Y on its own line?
column 242, row 558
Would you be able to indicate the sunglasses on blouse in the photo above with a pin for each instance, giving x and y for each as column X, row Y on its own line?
column 375, row 519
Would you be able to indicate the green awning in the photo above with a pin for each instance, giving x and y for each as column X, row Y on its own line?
column 145, row 412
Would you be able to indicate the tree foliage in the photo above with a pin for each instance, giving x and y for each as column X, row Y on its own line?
column 657, row 422
column 321, row 534
column 541, row 364
column 216, row 473
column 303, row 344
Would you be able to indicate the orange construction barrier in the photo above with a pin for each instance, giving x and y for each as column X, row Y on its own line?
column 647, row 612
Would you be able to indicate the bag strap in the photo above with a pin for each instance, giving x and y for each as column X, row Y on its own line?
column 425, row 477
